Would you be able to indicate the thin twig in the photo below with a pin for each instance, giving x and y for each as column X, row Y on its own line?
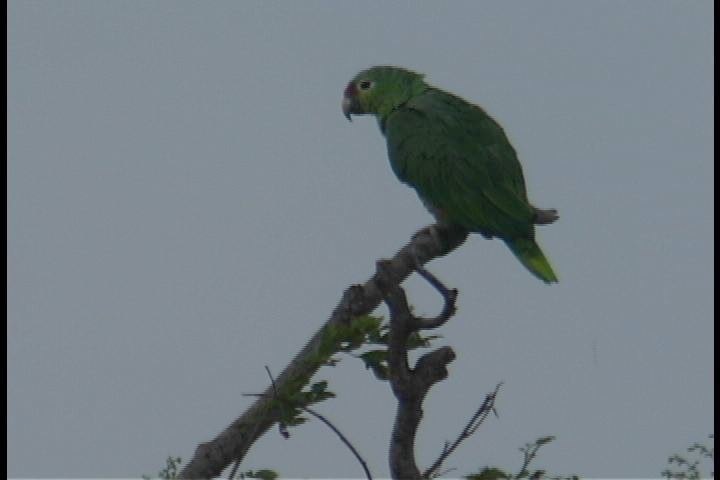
column 476, row 420
column 282, row 427
column 529, row 453
column 445, row 472
column 326, row 422
column 439, row 286
column 449, row 295
column 342, row 437
column 234, row 470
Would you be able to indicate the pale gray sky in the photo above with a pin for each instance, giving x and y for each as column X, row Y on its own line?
column 187, row 204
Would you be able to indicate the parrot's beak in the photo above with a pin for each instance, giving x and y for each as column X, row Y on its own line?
column 347, row 105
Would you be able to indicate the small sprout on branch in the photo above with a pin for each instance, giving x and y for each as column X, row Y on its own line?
column 170, row 471
column 689, row 468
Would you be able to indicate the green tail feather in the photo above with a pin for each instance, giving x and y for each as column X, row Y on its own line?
column 529, row 253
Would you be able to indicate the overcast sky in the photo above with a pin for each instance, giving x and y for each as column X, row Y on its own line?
column 187, row 204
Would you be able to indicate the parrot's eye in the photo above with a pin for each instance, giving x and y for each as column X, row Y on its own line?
column 365, row 85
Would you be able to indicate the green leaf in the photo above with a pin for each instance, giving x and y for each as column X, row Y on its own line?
column 544, row 440
column 319, row 387
column 376, row 360
column 264, row 474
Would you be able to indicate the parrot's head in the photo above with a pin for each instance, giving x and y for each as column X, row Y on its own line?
column 379, row 90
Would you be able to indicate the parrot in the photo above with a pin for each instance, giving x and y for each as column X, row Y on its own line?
column 456, row 157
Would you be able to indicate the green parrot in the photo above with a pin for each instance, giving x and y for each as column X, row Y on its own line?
column 455, row 156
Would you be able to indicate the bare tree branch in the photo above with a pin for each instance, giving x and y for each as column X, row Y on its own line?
column 233, row 443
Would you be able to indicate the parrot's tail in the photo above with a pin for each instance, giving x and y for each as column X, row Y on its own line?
column 530, row 255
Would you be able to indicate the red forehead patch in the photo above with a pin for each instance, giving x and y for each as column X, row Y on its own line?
column 350, row 90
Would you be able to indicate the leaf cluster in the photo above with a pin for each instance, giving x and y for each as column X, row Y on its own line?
column 290, row 404
column 687, row 467
column 368, row 330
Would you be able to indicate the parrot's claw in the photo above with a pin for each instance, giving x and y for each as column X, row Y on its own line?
column 433, row 232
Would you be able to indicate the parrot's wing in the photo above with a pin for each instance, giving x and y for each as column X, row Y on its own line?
column 459, row 161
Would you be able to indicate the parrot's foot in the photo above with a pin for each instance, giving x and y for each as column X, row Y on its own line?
column 544, row 217
column 433, row 232
column 420, row 242
column 442, row 235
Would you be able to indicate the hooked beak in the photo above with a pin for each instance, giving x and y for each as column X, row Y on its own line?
column 347, row 108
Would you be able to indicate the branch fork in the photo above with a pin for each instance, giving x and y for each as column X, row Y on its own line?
column 411, row 385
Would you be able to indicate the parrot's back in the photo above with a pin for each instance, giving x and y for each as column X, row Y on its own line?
column 465, row 170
